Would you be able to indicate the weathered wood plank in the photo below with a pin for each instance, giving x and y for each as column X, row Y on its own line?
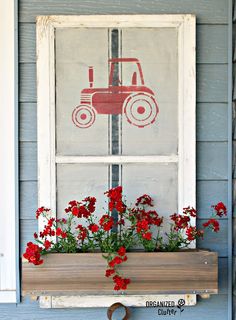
column 212, row 160
column 212, row 44
column 28, row 199
column 27, row 42
column 212, row 122
column 215, row 241
column 211, row 11
column 28, row 122
column 150, row 273
column 27, row 90
column 223, row 275
column 28, row 161
column 212, row 83
column 209, row 193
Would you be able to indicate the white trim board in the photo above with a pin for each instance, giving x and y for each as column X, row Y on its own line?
column 8, row 145
column 47, row 158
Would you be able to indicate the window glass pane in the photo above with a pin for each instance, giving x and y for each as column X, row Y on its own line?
column 157, row 54
column 77, row 181
column 160, row 181
column 76, row 50
column 128, row 105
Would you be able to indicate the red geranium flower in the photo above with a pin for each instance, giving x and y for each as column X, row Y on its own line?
column 40, row 210
column 147, row 236
column 190, row 211
column 220, row 209
column 122, row 251
column 106, row 222
column 181, row 221
column 144, row 200
column 93, row 227
column 109, row 272
column 213, row 224
column 47, row 244
column 32, row 253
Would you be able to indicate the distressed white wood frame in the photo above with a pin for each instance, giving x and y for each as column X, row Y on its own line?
column 47, row 159
column 8, row 146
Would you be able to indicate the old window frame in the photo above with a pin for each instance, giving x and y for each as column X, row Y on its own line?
column 47, row 159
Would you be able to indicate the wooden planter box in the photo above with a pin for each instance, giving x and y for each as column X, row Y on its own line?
column 150, row 273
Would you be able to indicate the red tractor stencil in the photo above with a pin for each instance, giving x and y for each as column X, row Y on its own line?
column 136, row 101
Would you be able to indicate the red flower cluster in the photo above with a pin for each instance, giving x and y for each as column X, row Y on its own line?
column 192, row 233
column 106, row 222
column 220, row 209
column 84, row 209
column 119, row 282
column 213, row 224
column 82, row 232
column 144, row 200
column 180, row 221
column 115, row 199
column 48, row 229
column 145, row 219
column 32, row 253
column 93, row 227
column 190, row 211
column 61, row 233
column 41, row 210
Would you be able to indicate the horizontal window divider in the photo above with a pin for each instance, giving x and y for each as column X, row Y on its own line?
column 116, row 159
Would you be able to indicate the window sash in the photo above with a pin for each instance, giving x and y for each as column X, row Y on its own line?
column 47, row 158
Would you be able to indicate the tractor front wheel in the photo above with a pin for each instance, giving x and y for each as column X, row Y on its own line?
column 83, row 116
column 140, row 109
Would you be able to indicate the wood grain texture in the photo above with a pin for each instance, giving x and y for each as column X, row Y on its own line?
column 27, row 89
column 28, row 161
column 28, row 199
column 27, row 42
column 211, row 11
column 211, row 83
column 28, row 121
column 150, row 273
column 212, row 161
column 212, row 122
column 211, row 43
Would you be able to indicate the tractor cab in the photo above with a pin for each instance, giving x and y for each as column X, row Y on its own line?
column 125, row 72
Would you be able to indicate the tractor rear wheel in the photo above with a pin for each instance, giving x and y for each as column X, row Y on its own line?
column 83, row 116
column 140, row 109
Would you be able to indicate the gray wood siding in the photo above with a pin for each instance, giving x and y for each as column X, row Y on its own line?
column 212, row 19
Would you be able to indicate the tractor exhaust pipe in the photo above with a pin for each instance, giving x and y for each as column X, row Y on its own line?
column 91, row 77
